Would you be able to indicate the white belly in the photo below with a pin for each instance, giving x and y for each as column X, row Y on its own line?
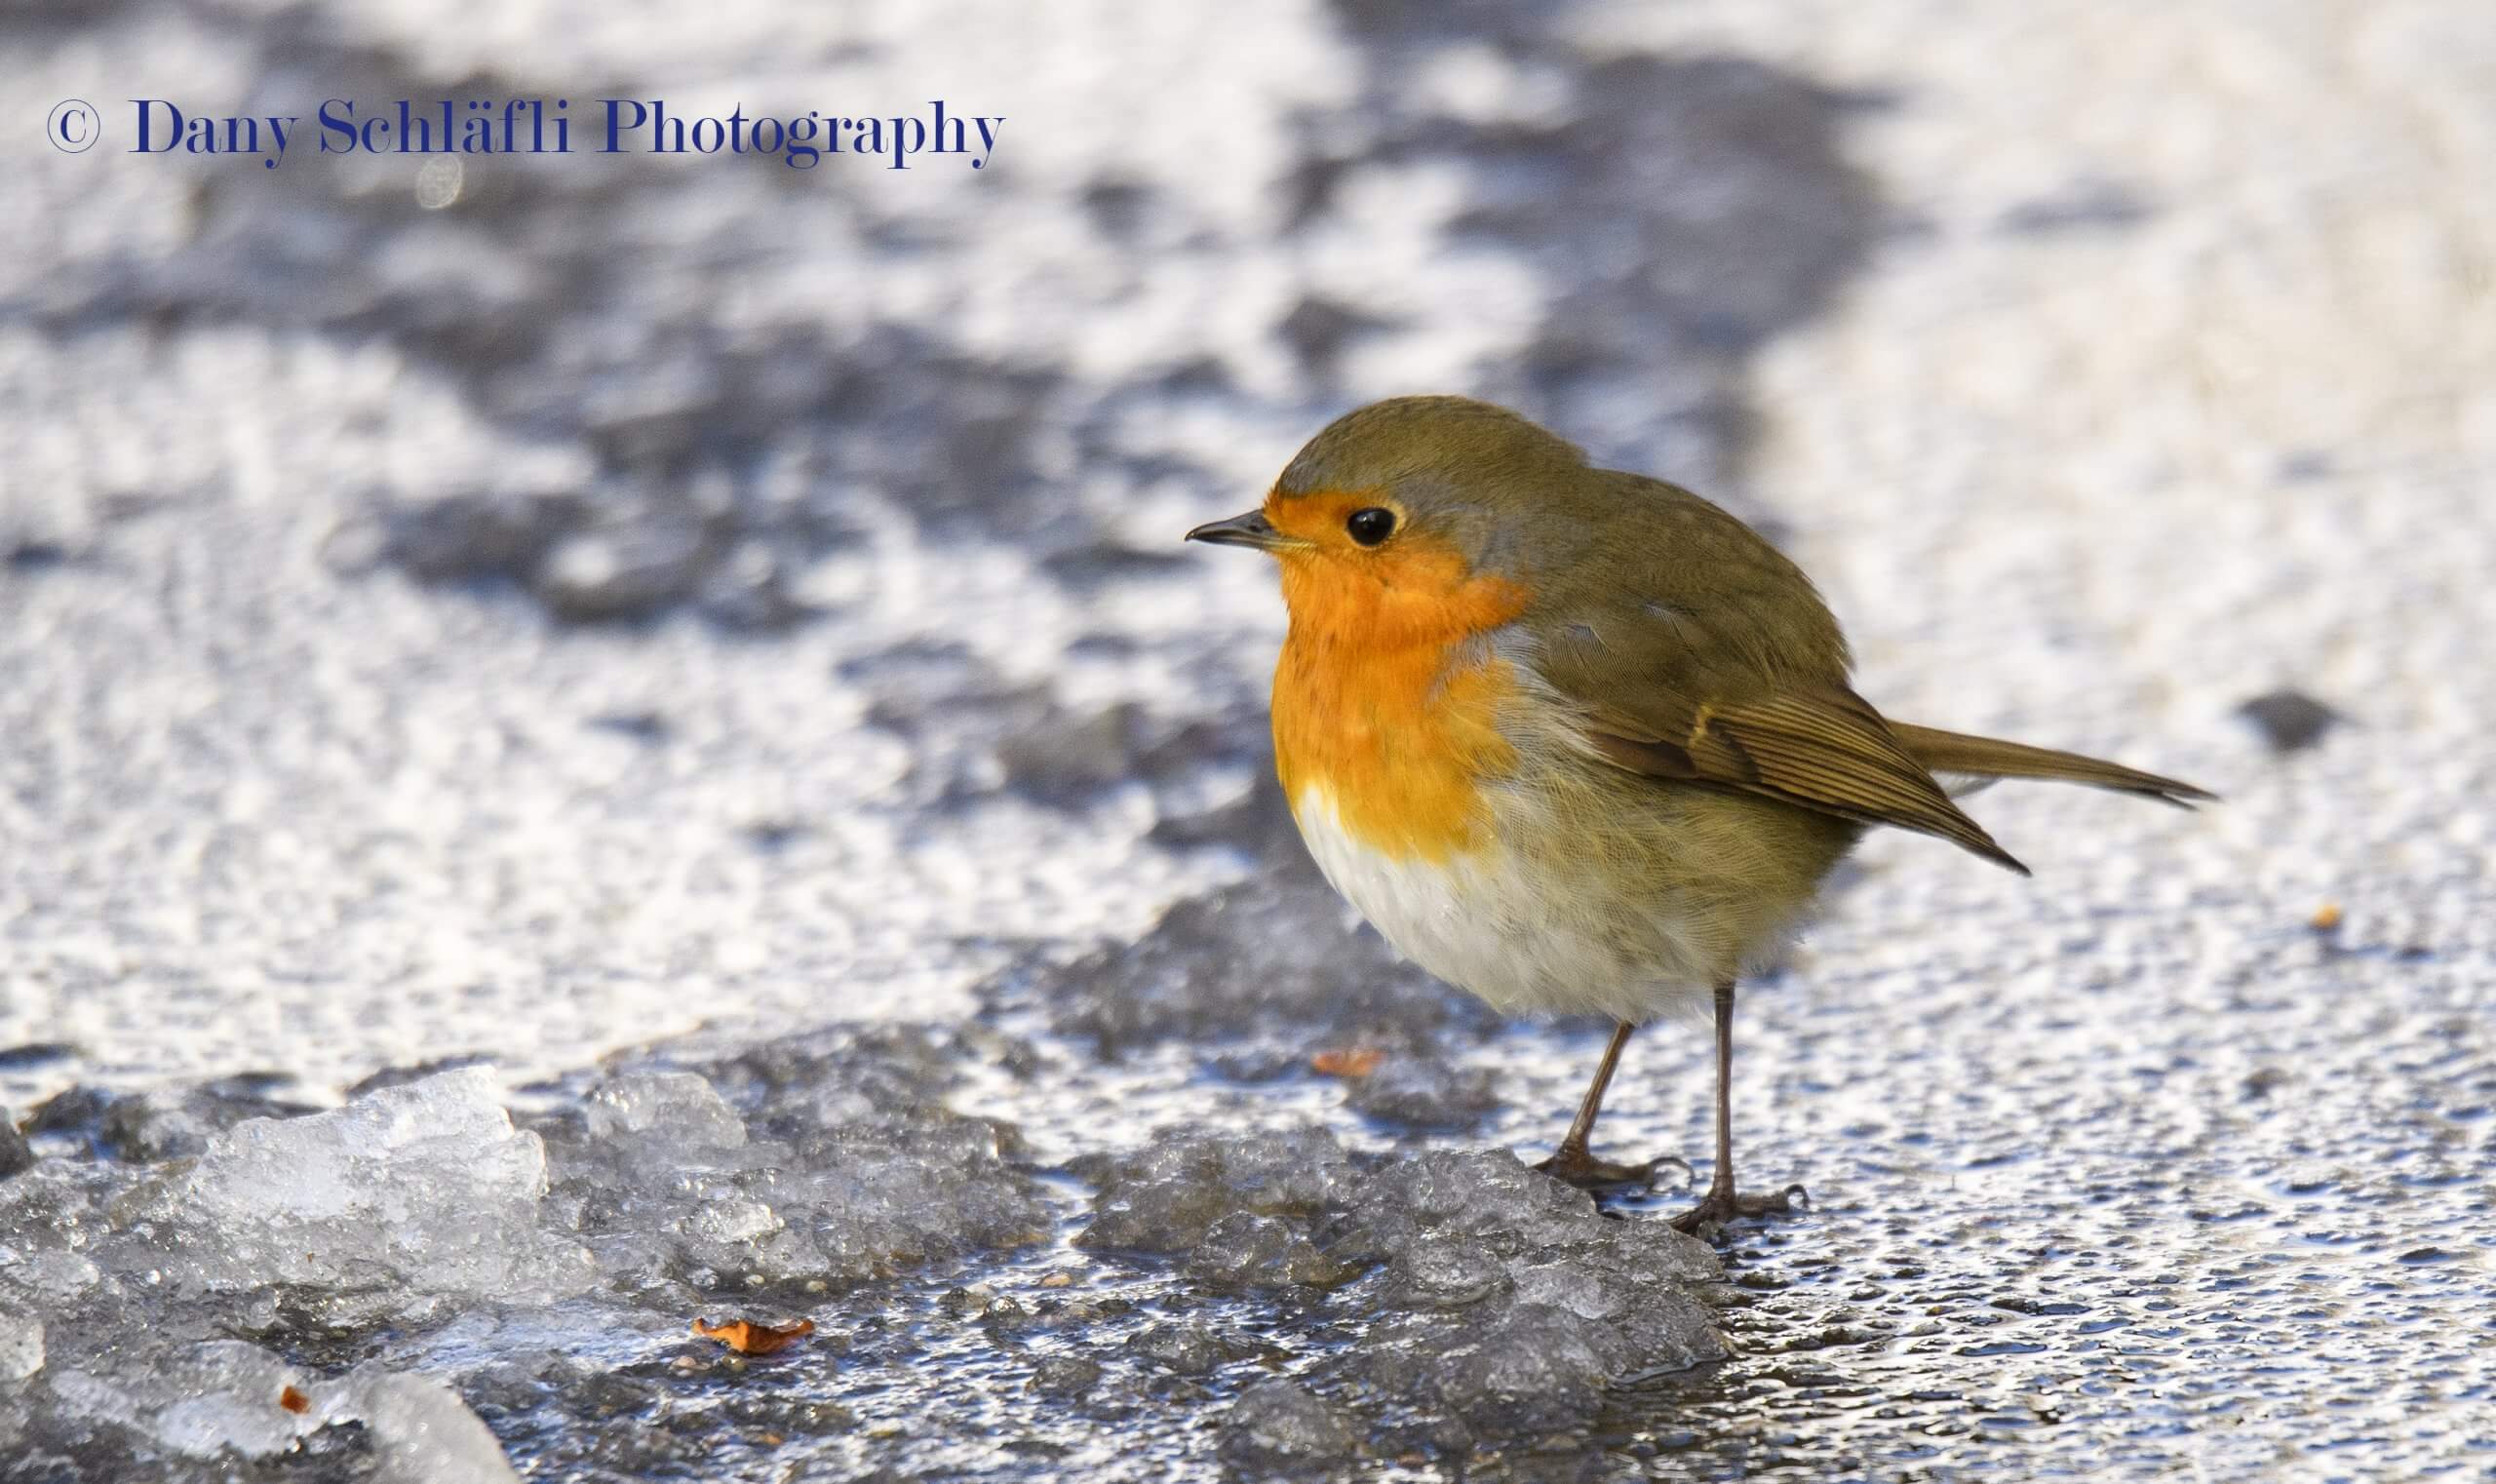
column 1528, row 944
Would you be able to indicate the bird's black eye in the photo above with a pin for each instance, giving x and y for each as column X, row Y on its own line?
column 1371, row 525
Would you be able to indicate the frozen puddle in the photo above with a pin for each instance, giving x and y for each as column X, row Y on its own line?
column 383, row 1290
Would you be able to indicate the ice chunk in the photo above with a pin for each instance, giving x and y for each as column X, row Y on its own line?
column 851, row 1166
column 678, row 1109
column 424, row 1434
column 1481, row 1194
column 1506, row 1304
column 1531, row 1367
column 1245, row 1250
column 203, row 1401
column 47, row 1215
column 21, row 1344
column 43, row 1276
column 1524, row 1302
column 1190, row 1349
column 878, row 1199
column 1281, row 1424
column 1441, row 1272
column 733, row 1220
column 222, row 1401
column 1066, row 1376
column 425, row 1187
column 1168, row 1195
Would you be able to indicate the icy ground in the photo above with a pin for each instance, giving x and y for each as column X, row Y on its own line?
column 638, row 749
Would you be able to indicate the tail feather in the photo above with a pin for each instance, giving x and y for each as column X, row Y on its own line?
column 1987, row 758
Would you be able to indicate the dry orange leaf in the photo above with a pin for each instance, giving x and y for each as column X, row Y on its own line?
column 1347, row 1064
column 747, row 1338
column 294, row 1400
column 2326, row 917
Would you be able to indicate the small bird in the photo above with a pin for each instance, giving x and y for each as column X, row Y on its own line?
column 1577, row 740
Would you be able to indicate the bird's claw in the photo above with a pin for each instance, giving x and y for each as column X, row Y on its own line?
column 1573, row 1165
column 1719, row 1206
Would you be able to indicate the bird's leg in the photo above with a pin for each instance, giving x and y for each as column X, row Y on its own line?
column 1720, row 1203
column 1572, row 1162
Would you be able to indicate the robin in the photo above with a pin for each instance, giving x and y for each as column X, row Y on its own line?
column 1577, row 740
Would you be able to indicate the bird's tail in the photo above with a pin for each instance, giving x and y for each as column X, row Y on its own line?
column 1955, row 757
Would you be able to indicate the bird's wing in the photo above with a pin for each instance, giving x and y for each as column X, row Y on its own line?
column 1810, row 743
column 1694, row 651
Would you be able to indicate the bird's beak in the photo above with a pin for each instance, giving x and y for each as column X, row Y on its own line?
column 1250, row 530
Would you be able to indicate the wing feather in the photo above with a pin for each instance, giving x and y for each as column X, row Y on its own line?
column 1826, row 750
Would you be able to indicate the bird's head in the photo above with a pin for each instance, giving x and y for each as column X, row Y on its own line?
column 1416, row 517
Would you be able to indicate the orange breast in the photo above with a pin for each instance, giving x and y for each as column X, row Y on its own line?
column 1384, row 705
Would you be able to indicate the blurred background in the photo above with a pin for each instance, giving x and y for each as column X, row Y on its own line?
column 542, row 606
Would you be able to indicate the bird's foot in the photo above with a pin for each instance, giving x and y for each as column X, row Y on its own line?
column 1720, row 1205
column 1573, row 1165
